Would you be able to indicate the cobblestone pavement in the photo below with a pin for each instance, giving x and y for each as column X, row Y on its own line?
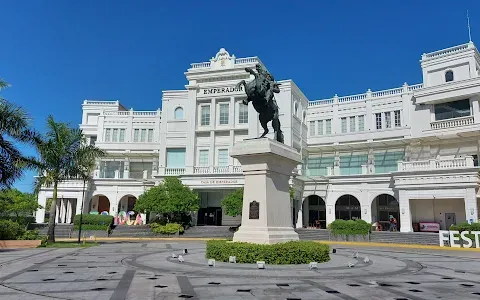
column 146, row 270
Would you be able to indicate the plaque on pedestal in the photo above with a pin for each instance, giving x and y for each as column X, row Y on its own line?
column 254, row 212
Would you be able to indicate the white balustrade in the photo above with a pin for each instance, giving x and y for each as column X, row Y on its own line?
column 415, row 87
column 450, row 123
column 446, row 51
column 434, row 164
column 221, row 170
column 237, row 169
column 174, row 171
column 200, row 65
column 246, row 60
column 96, row 102
column 201, row 170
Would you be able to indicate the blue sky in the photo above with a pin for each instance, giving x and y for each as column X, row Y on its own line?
column 57, row 53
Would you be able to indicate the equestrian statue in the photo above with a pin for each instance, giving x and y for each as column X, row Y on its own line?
column 260, row 91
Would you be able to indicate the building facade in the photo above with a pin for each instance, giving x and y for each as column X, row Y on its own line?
column 410, row 152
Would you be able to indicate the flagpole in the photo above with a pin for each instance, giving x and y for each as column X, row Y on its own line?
column 468, row 24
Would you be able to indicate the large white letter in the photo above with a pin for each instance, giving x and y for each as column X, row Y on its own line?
column 442, row 237
column 476, row 233
column 454, row 238
column 467, row 239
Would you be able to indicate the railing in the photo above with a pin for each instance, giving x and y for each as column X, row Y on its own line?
column 201, row 170
column 174, row 171
column 221, row 170
column 217, row 169
column 246, row 60
column 368, row 95
column 200, row 65
column 96, row 102
column 133, row 113
column 433, row 164
column 445, row 51
column 450, row 123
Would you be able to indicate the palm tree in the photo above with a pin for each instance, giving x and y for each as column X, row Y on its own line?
column 14, row 128
column 59, row 152
column 85, row 165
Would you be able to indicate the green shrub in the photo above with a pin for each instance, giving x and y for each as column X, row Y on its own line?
column 92, row 227
column 105, row 220
column 22, row 220
column 10, row 230
column 464, row 226
column 30, row 235
column 170, row 228
column 295, row 252
column 350, row 227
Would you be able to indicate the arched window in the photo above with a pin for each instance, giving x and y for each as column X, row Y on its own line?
column 178, row 113
column 304, row 116
column 296, row 109
column 448, row 76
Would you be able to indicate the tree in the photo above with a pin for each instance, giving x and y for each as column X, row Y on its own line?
column 58, row 151
column 14, row 128
column 171, row 198
column 233, row 202
column 13, row 202
column 85, row 161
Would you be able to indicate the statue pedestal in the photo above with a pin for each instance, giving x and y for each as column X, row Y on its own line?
column 267, row 212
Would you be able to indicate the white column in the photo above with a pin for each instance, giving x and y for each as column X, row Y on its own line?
column 300, row 214
column 40, row 213
column 57, row 210
column 405, row 213
column 471, row 210
column 68, row 214
column 63, row 210
column 475, row 109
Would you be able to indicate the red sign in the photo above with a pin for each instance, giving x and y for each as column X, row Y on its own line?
column 219, row 181
column 429, row 227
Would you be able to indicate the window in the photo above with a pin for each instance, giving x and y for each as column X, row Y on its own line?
column 304, row 116
column 205, row 115
column 454, row 109
column 107, row 134
column 386, row 162
column 378, row 120
column 136, row 135
column 121, row 138
column 93, row 140
column 312, row 128
column 398, row 122
column 223, row 157
column 203, row 158
column 388, row 120
column 344, row 125
column 143, row 136
column 178, row 113
column 317, row 166
column 223, row 120
column 328, row 126
column 361, row 123
column 320, row 127
column 176, row 158
column 448, row 76
column 352, row 124
column 115, row 135
column 150, row 135
column 242, row 113
column 296, row 109
column 352, row 164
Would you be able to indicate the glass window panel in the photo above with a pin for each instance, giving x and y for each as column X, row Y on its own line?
column 320, row 127
column 344, row 124
column 242, row 113
column 361, row 123
column 378, row 120
column 121, row 138
column 150, row 135
column 143, row 135
column 107, row 135
column 136, row 135
column 328, row 126
column 223, row 157
column 179, row 113
column 352, row 124
column 223, row 120
column 352, row 164
column 398, row 122
column 176, row 158
column 203, row 158
column 115, row 135
column 311, row 128
column 388, row 120
column 205, row 115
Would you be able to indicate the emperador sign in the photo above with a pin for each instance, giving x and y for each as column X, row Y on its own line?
column 221, row 90
column 455, row 238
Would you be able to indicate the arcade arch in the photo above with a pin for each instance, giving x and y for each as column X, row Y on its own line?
column 99, row 204
column 347, row 207
column 384, row 206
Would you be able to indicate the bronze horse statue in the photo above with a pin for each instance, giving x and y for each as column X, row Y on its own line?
column 260, row 92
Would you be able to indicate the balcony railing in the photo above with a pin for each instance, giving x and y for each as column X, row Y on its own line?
column 174, row 171
column 217, row 170
column 450, row 123
column 435, row 164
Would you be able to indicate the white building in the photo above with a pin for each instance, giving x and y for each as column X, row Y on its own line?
column 410, row 151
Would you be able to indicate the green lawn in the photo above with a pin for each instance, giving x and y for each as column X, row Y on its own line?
column 70, row 245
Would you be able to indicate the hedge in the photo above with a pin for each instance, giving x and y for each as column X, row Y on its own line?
column 170, row 228
column 10, row 230
column 466, row 227
column 94, row 220
column 350, row 227
column 22, row 220
column 294, row 252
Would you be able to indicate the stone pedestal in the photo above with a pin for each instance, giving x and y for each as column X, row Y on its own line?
column 267, row 213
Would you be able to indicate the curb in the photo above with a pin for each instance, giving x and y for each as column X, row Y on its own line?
column 357, row 244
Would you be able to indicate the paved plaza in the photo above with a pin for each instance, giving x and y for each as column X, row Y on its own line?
column 146, row 270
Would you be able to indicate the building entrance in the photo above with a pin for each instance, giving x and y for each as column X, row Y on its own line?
column 210, row 216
